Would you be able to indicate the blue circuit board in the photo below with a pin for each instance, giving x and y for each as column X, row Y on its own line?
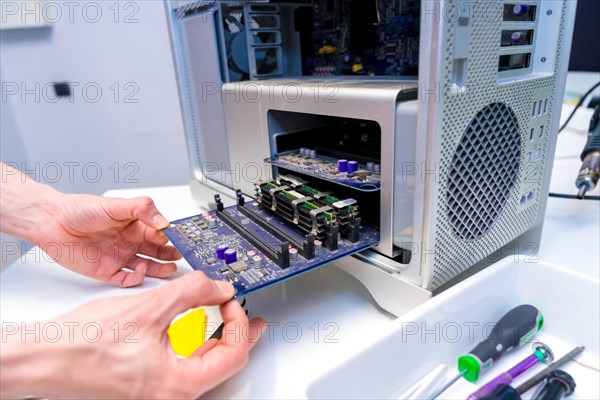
column 197, row 238
column 383, row 40
column 326, row 168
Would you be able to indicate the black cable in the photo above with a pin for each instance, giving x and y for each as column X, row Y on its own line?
column 572, row 196
column 581, row 100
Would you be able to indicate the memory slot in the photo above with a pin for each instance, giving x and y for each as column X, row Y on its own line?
column 305, row 248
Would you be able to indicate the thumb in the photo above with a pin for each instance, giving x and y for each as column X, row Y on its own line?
column 190, row 291
column 141, row 208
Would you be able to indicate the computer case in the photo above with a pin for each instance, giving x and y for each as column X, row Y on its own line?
column 458, row 102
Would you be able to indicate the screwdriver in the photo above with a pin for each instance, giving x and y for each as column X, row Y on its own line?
column 542, row 353
column 507, row 392
column 513, row 330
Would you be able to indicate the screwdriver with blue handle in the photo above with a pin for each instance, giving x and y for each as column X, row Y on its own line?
column 513, row 330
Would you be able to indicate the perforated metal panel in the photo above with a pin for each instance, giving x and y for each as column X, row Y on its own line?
column 186, row 9
column 470, row 228
column 483, row 172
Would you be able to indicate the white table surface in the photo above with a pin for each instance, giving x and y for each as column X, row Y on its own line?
column 316, row 318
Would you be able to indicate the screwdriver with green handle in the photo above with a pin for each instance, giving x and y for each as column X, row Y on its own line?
column 513, row 330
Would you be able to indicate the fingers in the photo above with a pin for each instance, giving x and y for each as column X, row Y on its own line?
column 124, row 278
column 141, row 208
column 153, row 268
column 140, row 268
column 152, row 235
column 160, row 252
column 160, row 270
column 233, row 316
column 209, row 344
column 190, row 291
column 259, row 324
column 218, row 361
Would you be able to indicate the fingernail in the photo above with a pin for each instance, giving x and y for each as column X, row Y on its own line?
column 254, row 332
column 160, row 221
column 226, row 287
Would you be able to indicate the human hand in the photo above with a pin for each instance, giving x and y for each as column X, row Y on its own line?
column 100, row 236
column 94, row 236
column 122, row 362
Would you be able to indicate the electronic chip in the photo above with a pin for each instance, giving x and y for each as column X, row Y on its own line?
column 390, row 49
column 230, row 276
column 238, row 266
column 211, row 261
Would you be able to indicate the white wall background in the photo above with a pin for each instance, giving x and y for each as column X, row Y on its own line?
column 11, row 147
column 130, row 131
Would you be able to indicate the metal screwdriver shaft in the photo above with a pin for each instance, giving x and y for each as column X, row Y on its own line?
column 507, row 392
column 447, row 385
column 537, row 378
column 513, row 330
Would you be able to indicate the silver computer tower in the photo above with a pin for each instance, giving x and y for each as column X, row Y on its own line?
column 466, row 147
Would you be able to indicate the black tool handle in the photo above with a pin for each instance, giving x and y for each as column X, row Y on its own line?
column 511, row 331
column 593, row 141
column 504, row 392
column 558, row 385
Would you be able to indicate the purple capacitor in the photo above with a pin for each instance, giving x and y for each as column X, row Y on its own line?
column 230, row 256
column 221, row 251
column 352, row 167
column 342, row 165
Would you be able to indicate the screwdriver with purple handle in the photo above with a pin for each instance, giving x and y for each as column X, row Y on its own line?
column 541, row 354
column 513, row 330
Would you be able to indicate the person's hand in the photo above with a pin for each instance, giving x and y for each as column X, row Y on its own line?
column 99, row 237
column 125, row 352
column 105, row 238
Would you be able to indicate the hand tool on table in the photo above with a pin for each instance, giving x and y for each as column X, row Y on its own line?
column 537, row 378
column 541, row 353
column 557, row 385
column 507, row 392
column 513, row 330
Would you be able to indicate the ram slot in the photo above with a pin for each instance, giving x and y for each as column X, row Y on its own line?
column 280, row 256
column 306, row 248
column 315, row 219
column 347, row 215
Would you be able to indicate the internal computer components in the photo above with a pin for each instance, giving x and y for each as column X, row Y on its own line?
column 365, row 177
column 315, row 37
column 360, row 37
column 502, row 60
column 290, row 228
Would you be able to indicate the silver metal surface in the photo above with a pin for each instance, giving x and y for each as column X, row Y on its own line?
column 589, row 173
column 546, row 351
column 381, row 262
column 537, row 378
column 450, row 217
column 447, row 113
column 309, row 99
